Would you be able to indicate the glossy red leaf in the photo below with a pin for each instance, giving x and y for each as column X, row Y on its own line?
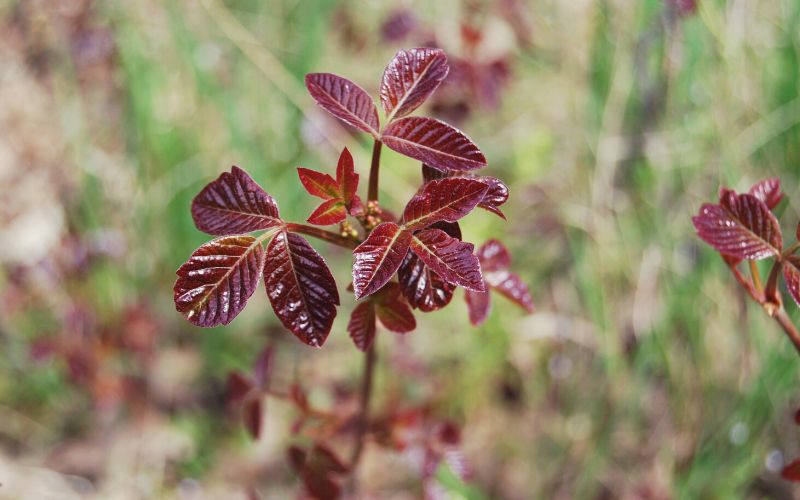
column 300, row 288
column 494, row 256
column 448, row 257
column 329, row 212
column 424, row 289
column 346, row 177
column 362, row 325
column 214, row 285
column 251, row 415
column 433, row 142
column 512, row 287
column 768, row 191
column 791, row 274
column 443, row 200
column 410, row 78
column 478, row 306
column 234, row 204
column 237, row 388
column 319, row 184
column 378, row 257
column 741, row 226
column 496, row 193
column 345, row 100
column 393, row 311
column 792, row 471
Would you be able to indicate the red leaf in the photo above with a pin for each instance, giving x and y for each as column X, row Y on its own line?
column 234, row 204
column 797, row 417
column 346, row 177
column 362, row 325
column 791, row 273
column 410, row 78
column 443, row 200
column 768, row 191
column 449, row 258
column 512, row 287
column 494, row 256
column 318, row 184
column 496, row 193
column 792, row 471
column 378, row 257
column 356, row 207
column 345, row 100
column 252, row 417
column 478, row 306
column 741, row 226
column 433, row 142
column 330, row 212
column 393, row 311
column 214, row 285
column 300, row 288
column 236, row 388
column 297, row 457
column 424, row 289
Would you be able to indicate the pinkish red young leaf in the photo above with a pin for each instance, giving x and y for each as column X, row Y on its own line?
column 345, row 100
column 494, row 256
column 252, row 417
column 424, row 289
column 512, row 287
column 410, row 78
column 214, row 285
column 791, row 273
column 443, row 200
column 378, row 257
column 740, row 226
column 449, row 258
column 346, row 177
column 478, row 306
column 393, row 311
column 356, row 207
column 329, row 212
column 768, row 191
column 792, row 471
column 362, row 325
column 318, row 184
column 300, row 288
column 237, row 388
column 433, row 142
column 234, row 204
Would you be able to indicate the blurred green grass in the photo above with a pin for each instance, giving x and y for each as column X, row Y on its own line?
column 612, row 131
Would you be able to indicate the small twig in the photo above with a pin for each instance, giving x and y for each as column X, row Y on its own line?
column 329, row 236
column 756, row 276
column 783, row 319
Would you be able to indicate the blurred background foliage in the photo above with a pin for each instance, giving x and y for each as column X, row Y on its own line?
column 644, row 374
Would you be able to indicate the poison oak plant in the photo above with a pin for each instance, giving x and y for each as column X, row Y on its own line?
column 742, row 226
column 414, row 262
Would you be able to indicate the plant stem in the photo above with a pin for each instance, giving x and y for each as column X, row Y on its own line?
column 329, row 236
column 372, row 192
column 783, row 319
column 756, row 276
column 363, row 408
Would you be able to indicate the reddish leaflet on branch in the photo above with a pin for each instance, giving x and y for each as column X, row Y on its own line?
column 414, row 262
column 743, row 227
